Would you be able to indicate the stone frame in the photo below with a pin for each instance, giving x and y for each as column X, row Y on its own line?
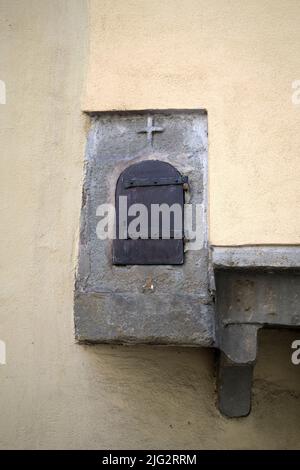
column 266, row 278
column 116, row 303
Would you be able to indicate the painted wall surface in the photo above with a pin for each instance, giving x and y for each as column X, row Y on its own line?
column 53, row 392
column 238, row 60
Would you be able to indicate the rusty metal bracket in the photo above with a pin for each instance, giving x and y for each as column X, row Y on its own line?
column 156, row 181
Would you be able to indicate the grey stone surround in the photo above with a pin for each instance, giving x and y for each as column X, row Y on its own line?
column 117, row 303
column 220, row 297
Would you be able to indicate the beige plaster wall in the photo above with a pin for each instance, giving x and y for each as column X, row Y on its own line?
column 238, row 60
column 54, row 393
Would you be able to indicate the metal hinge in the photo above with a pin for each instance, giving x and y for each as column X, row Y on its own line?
column 160, row 181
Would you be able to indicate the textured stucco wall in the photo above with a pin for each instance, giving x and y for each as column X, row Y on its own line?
column 54, row 393
column 238, row 60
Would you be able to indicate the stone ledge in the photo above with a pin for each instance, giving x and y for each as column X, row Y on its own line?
column 283, row 257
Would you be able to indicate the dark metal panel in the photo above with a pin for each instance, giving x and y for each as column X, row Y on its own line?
column 148, row 252
column 153, row 182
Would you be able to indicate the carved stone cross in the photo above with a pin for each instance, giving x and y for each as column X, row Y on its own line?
column 150, row 129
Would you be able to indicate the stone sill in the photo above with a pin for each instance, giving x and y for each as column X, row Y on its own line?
column 258, row 256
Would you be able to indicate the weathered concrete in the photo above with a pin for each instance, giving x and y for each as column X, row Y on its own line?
column 248, row 300
column 256, row 257
column 111, row 302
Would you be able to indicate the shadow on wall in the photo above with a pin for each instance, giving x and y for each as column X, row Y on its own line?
column 166, row 396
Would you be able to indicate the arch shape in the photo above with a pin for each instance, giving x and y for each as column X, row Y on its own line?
column 153, row 184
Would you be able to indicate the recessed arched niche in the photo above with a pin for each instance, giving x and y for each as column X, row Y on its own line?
column 149, row 202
